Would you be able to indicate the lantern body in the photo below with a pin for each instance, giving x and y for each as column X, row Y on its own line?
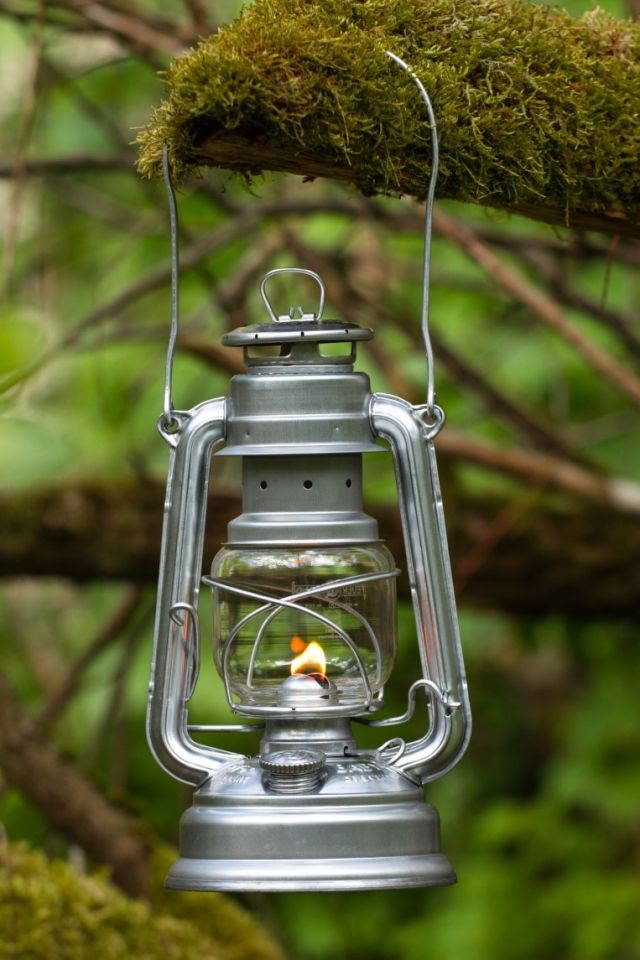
column 304, row 629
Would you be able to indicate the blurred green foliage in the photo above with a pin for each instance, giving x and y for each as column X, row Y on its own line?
column 541, row 817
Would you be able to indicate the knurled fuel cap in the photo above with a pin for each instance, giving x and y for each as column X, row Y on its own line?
column 293, row 771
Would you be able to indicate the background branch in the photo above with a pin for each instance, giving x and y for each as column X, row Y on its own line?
column 108, row 633
column 583, row 561
column 542, row 305
column 67, row 800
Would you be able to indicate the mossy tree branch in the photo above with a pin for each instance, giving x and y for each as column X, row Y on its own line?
column 537, row 111
column 239, row 152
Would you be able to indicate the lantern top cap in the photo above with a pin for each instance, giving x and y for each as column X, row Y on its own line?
column 294, row 331
column 288, row 328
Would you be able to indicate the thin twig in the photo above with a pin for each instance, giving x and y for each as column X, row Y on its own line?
column 553, row 274
column 134, row 29
column 94, row 111
column 78, row 163
column 197, row 10
column 352, row 300
column 232, row 293
column 529, row 426
column 615, row 242
column 228, row 359
column 542, row 468
column 577, row 245
column 111, row 722
column 103, row 639
column 52, row 18
column 540, row 303
column 463, row 373
column 160, row 276
column 616, row 322
column 536, row 468
column 26, row 130
column 468, row 565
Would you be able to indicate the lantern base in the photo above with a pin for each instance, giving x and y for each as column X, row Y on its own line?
column 320, row 875
column 365, row 827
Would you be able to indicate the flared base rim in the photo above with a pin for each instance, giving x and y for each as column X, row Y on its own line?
column 353, row 873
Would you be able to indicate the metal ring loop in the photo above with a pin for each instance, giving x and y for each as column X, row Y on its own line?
column 191, row 642
column 304, row 272
column 432, row 419
column 396, row 743
column 428, row 219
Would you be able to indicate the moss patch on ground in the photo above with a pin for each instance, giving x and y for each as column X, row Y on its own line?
column 48, row 910
column 533, row 106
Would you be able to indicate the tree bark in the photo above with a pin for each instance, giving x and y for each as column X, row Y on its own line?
column 244, row 153
column 584, row 561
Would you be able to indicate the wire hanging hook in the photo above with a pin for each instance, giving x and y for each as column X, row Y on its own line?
column 428, row 220
column 169, row 421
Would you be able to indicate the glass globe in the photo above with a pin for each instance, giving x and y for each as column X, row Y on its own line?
column 303, row 628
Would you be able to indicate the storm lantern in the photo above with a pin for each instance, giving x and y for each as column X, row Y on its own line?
column 304, row 617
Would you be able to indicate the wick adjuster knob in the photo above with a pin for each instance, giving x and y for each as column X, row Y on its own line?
column 293, row 771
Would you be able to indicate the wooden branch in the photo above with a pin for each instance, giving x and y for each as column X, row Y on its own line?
column 76, row 163
column 106, row 635
column 244, row 153
column 26, row 129
column 544, row 469
column 199, row 15
column 541, row 304
column 67, row 800
column 577, row 246
column 581, row 560
column 530, row 428
column 135, row 29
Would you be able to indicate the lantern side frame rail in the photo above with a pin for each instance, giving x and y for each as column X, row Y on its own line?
column 192, row 442
column 411, row 439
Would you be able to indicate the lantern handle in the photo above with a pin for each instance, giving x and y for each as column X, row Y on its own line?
column 169, row 422
column 428, row 221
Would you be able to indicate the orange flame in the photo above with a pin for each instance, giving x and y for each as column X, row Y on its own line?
column 311, row 660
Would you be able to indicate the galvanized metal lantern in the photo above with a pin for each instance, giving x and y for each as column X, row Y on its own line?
column 304, row 630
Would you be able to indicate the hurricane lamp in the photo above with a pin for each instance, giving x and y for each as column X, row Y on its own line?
column 304, row 619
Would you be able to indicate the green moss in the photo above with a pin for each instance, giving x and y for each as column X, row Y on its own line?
column 48, row 910
column 533, row 106
column 216, row 915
